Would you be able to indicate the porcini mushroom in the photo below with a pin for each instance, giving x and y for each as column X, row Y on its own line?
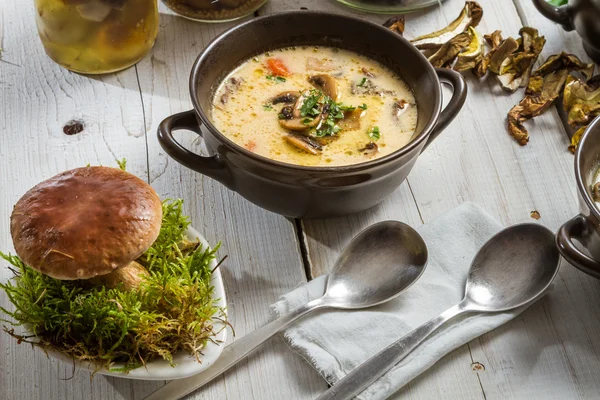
column 88, row 223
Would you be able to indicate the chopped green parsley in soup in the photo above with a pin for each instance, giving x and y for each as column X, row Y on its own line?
column 315, row 106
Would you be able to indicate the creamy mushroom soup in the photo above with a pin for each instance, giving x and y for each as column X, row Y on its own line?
column 316, row 106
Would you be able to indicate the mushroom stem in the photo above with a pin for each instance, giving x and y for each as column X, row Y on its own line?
column 126, row 278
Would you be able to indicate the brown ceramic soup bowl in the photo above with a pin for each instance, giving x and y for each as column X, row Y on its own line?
column 585, row 227
column 300, row 191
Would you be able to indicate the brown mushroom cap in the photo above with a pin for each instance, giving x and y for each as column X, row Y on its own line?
column 85, row 222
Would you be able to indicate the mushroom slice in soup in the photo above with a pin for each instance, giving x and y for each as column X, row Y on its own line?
column 368, row 87
column 232, row 85
column 288, row 97
column 303, row 143
column 297, row 121
column 370, row 149
column 327, row 84
column 299, row 124
column 351, row 119
column 399, row 107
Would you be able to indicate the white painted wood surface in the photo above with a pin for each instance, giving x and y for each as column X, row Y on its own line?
column 549, row 352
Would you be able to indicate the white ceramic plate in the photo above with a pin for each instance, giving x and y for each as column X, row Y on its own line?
column 186, row 365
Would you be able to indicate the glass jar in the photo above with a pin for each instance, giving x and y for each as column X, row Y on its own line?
column 214, row 10
column 97, row 36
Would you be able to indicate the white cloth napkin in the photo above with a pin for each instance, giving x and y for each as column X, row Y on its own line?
column 335, row 342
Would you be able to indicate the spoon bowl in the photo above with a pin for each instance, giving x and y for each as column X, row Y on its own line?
column 380, row 263
column 512, row 269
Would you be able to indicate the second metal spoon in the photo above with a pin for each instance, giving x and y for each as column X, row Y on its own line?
column 379, row 263
column 513, row 268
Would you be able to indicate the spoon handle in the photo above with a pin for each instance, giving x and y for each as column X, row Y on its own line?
column 232, row 353
column 372, row 369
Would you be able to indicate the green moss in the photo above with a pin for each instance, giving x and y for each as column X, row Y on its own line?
column 172, row 310
column 122, row 164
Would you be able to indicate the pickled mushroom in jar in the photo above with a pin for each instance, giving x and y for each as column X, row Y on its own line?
column 97, row 36
column 60, row 23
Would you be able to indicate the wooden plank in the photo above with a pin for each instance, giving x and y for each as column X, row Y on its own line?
column 37, row 98
column 264, row 259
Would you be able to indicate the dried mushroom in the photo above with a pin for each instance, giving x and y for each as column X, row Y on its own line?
column 472, row 55
column 395, row 24
column 581, row 100
column 469, row 17
column 515, row 70
column 505, row 49
column 450, row 50
column 564, row 61
column 493, row 40
column 576, row 138
column 544, row 87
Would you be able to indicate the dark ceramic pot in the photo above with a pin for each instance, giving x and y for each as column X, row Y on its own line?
column 298, row 191
column 584, row 228
column 580, row 15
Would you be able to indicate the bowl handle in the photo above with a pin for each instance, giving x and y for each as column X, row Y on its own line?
column 561, row 15
column 459, row 95
column 576, row 227
column 212, row 166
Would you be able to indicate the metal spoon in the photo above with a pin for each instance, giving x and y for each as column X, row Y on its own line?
column 513, row 268
column 380, row 263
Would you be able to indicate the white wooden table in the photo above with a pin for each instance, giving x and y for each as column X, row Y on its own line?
column 552, row 351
